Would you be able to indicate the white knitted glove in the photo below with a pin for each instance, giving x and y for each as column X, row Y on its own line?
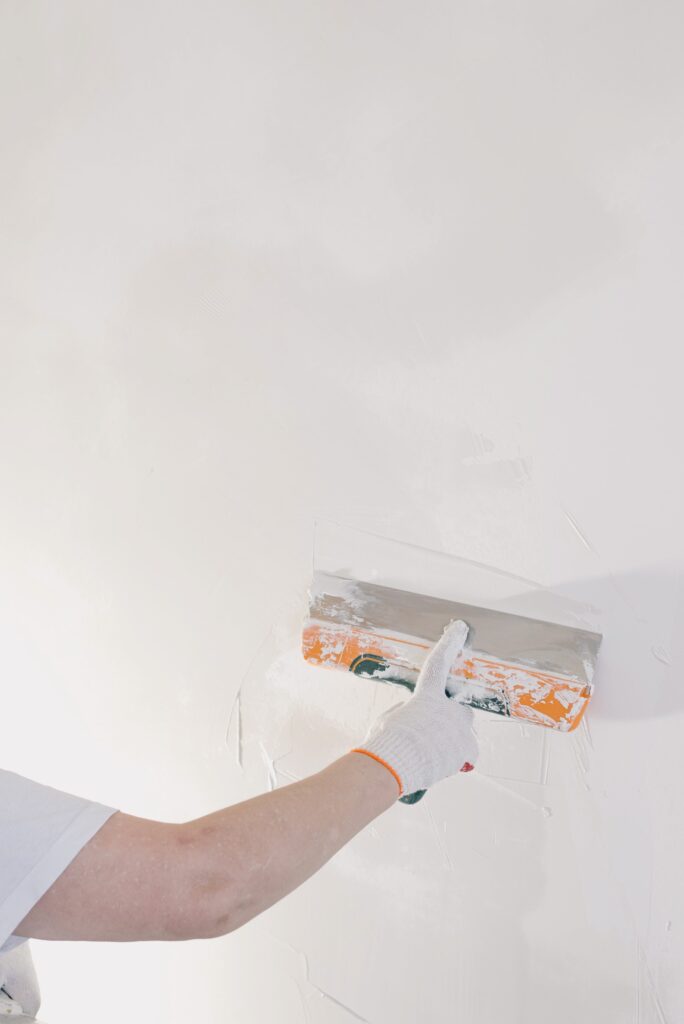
column 430, row 736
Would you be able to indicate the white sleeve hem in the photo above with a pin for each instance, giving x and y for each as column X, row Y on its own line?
column 48, row 869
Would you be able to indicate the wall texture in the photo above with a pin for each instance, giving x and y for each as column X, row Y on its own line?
column 413, row 267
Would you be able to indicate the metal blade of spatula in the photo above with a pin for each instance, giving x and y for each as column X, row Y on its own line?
column 522, row 668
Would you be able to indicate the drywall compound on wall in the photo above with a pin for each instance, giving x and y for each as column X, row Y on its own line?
column 497, row 893
column 414, row 267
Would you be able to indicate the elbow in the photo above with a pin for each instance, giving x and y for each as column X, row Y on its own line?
column 214, row 916
column 214, row 900
column 221, row 915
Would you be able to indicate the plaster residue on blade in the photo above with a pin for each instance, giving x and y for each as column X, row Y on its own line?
column 340, row 599
column 541, row 646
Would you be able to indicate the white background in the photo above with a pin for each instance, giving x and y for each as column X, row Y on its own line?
column 416, row 267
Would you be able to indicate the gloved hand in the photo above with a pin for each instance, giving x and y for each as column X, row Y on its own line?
column 430, row 736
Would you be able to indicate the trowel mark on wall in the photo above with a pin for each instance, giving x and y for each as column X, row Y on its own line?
column 581, row 752
column 273, row 771
column 424, row 552
column 582, row 766
column 239, row 728
column 586, row 732
column 509, row 792
column 500, row 469
column 271, row 764
column 649, row 1009
column 305, row 1005
column 336, row 1002
column 441, row 845
column 661, row 654
column 545, row 760
column 270, row 767
column 577, row 530
column 316, row 988
column 482, row 444
column 236, row 716
column 647, row 993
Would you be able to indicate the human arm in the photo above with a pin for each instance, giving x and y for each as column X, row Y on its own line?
column 141, row 879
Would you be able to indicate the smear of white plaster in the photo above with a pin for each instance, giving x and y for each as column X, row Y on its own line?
column 441, row 845
column 581, row 753
column 509, row 792
column 270, row 767
column 650, row 986
column 239, row 729
column 586, row 731
column 303, row 1001
column 236, row 716
column 545, row 760
column 356, row 601
column 577, row 530
column 321, row 992
column 343, row 1006
column 661, row 654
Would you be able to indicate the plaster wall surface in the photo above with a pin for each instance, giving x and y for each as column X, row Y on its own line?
column 415, row 269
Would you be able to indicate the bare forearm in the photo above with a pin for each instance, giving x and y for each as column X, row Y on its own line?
column 138, row 878
column 254, row 853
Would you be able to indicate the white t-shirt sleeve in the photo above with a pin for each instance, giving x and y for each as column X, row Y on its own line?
column 41, row 831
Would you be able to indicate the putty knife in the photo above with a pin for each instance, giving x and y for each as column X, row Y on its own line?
column 521, row 668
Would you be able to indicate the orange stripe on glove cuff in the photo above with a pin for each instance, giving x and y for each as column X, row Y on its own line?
column 390, row 769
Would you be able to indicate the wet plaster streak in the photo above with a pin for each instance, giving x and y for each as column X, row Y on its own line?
column 317, row 989
column 236, row 715
column 270, row 767
column 336, row 1002
column 650, row 986
column 578, row 532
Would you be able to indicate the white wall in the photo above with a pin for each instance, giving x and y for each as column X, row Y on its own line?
column 413, row 267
